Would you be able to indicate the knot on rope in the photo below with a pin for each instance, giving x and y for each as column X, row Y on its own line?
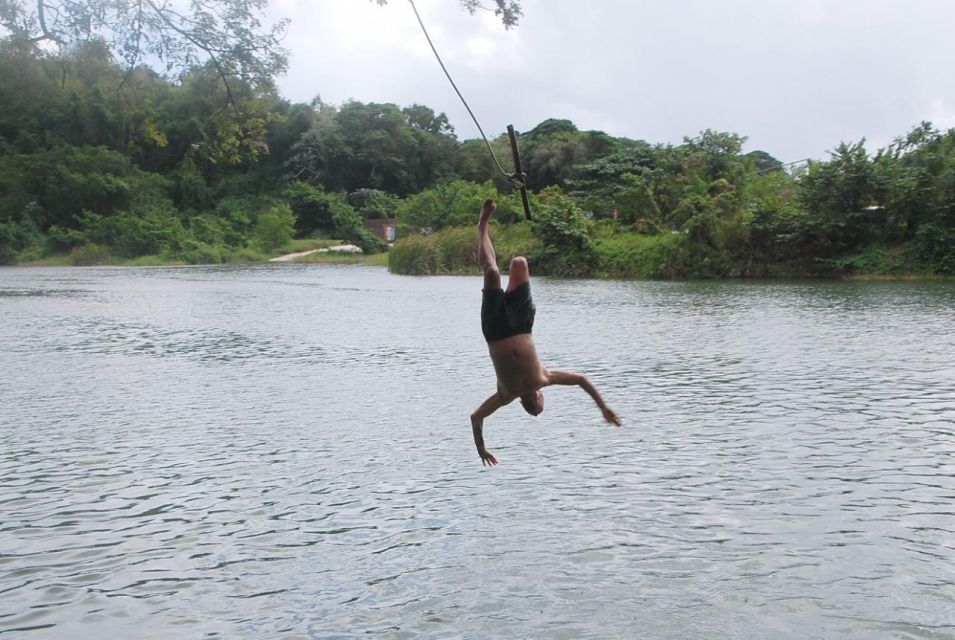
column 518, row 179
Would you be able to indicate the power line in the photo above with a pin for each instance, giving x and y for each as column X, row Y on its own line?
column 780, row 166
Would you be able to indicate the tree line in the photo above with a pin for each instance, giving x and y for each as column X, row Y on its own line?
column 102, row 160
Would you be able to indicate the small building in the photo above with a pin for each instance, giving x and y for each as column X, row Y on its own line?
column 384, row 228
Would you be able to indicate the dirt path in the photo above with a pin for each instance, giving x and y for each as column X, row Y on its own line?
column 340, row 248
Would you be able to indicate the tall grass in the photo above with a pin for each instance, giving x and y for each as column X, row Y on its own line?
column 454, row 250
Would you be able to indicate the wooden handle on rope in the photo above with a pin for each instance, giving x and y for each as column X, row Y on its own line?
column 519, row 170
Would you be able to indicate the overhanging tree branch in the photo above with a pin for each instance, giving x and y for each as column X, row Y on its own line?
column 228, row 33
column 212, row 56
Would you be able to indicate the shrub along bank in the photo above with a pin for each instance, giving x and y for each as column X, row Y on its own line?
column 576, row 247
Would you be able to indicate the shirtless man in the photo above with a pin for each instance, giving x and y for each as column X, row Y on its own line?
column 506, row 320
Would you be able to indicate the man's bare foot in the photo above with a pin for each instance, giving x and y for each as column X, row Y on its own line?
column 487, row 211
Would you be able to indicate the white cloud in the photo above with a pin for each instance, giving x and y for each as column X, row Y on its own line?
column 795, row 77
column 941, row 114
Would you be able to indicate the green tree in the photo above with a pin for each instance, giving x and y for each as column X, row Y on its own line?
column 147, row 230
column 381, row 138
column 224, row 36
column 914, row 181
column 635, row 203
column 17, row 234
column 372, row 204
column 762, row 162
column 290, row 123
column 567, row 249
column 329, row 214
column 715, row 155
column 56, row 186
column 771, row 199
column 599, row 184
column 375, row 146
column 473, row 162
column 314, row 208
column 837, row 196
column 226, row 33
column 192, row 192
column 274, row 228
column 450, row 204
column 321, row 155
column 434, row 147
column 553, row 148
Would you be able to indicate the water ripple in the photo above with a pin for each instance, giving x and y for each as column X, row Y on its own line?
column 284, row 452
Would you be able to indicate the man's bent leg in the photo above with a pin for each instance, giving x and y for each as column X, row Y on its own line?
column 486, row 256
column 519, row 273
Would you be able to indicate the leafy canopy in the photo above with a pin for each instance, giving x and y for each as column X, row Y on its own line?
column 228, row 34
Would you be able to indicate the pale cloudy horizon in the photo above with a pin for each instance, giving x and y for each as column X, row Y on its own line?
column 795, row 78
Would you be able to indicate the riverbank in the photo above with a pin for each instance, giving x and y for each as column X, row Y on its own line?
column 621, row 256
column 297, row 251
column 609, row 252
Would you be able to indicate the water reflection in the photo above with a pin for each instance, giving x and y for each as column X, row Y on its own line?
column 283, row 452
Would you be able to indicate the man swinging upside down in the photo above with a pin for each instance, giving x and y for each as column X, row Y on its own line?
column 507, row 318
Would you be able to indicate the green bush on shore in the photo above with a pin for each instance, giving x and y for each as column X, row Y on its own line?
column 453, row 250
column 620, row 252
column 89, row 255
column 625, row 255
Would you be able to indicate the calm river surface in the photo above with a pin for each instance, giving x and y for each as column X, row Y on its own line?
column 285, row 452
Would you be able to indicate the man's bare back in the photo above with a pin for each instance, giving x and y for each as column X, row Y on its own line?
column 506, row 321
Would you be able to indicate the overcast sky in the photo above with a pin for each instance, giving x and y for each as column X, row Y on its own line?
column 794, row 76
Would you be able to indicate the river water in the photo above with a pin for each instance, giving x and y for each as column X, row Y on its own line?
column 285, row 452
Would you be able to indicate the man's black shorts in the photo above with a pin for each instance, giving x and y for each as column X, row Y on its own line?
column 507, row 314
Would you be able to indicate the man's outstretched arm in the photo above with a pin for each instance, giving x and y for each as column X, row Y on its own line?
column 571, row 378
column 488, row 407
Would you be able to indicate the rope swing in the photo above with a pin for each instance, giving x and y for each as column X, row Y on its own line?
column 518, row 178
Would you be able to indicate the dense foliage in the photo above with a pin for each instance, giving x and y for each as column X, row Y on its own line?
column 705, row 209
column 100, row 161
column 135, row 164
